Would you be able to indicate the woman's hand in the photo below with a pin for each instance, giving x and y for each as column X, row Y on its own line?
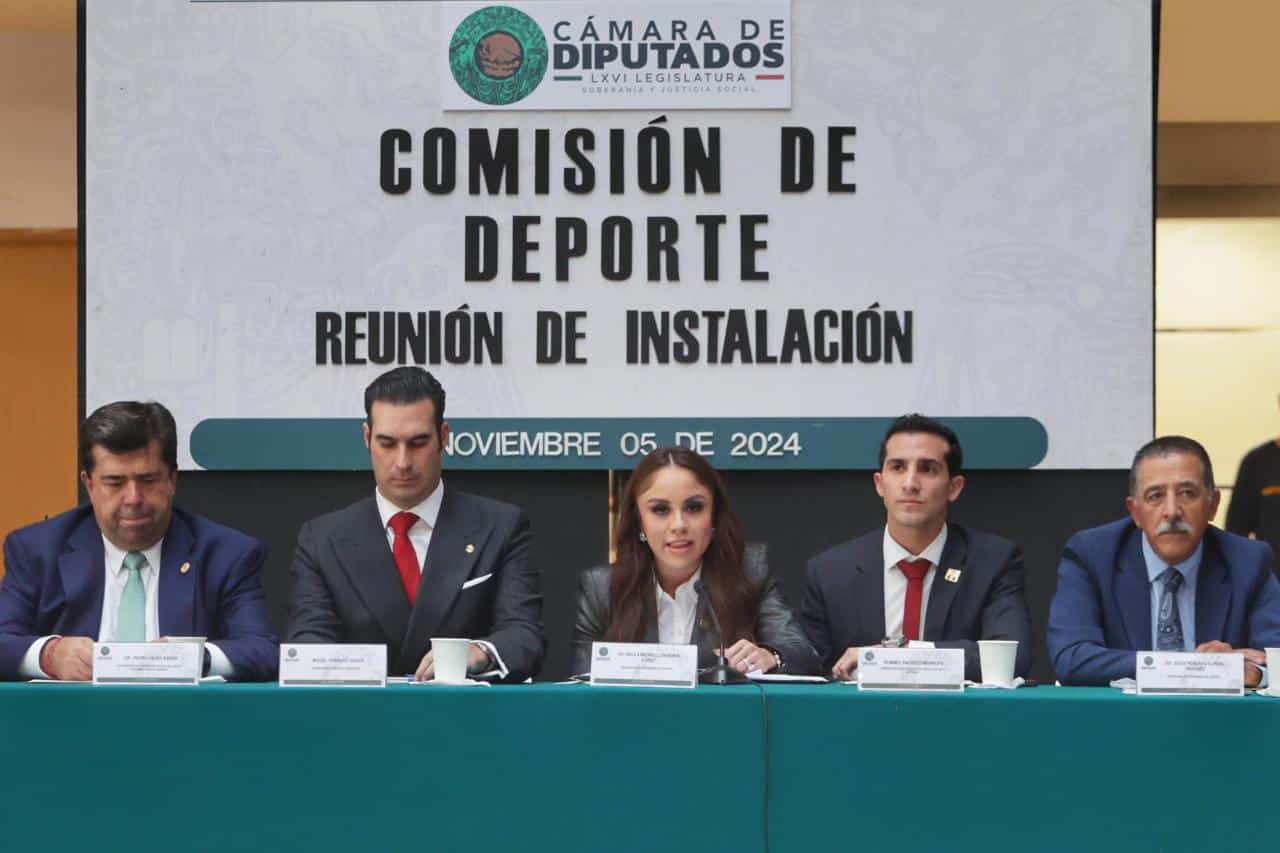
column 746, row 656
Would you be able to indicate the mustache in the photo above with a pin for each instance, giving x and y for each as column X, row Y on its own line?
column 1177, row 525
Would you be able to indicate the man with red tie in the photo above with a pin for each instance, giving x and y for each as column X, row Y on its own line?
column 416, row 560
column 919, row 578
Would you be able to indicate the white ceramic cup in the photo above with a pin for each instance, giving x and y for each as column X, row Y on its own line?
column 1273, row 670
column 451, row 659
column 998, row 659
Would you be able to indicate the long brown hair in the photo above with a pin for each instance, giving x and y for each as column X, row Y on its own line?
column 632, row 589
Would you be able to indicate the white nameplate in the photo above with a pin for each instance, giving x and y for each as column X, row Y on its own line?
column 910, row 669
column 644, row 665
column 1190, row 674
column 333, row 665
column 147, row 663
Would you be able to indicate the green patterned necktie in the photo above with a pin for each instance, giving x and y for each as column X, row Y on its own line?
column 131, row 617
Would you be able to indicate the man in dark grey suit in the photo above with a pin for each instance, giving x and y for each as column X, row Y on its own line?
column 416, row 560
column 918, row 577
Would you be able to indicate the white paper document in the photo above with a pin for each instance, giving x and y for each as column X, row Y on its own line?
column 644, row 665
column 911, row 669
column 409, row 679
column 1190, row 673
column 983, row 685
column 783, row 678
column 333, row 665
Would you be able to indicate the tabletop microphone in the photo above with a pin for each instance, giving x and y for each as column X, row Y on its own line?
column 721, row 672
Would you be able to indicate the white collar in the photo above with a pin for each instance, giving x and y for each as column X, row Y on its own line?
column 683, row 591
column 895, row 553
column 428, row 511
column 115, row 555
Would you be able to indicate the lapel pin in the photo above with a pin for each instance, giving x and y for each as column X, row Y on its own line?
column 470, row 549
column 952, row 575
column 186, row 567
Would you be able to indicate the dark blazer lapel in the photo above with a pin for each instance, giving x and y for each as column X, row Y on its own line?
column 651, row 617
column 82, row 569
column 176, row 606
column 447, row 565
column 1133, row 591
column 1213, row 594
column 704, row 634
column 955, row 555
column 364, row 555
column 866, row 587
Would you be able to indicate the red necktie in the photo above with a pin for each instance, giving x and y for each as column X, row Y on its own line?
column 915, row 570
column 402, row 548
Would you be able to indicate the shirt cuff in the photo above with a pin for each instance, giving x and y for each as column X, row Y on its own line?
column 1263, row 683
column 30, row 666
column 219, row 664
column 500, row 670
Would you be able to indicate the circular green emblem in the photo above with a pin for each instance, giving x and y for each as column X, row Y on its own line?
column 498, row 55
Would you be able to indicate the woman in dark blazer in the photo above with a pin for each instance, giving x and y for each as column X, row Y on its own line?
column 675, row 528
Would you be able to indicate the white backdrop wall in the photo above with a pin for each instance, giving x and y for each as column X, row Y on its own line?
column 235, row 212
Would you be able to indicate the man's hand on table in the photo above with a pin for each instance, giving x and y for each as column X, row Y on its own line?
column 845, row 666
column 68, row 658
column 1252, row 674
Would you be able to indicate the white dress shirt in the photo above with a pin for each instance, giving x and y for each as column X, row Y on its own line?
column 112, row 589
column 676, row 614
column 1186, row 595
column 895, row 582
column 428, row 513
column 118, row 577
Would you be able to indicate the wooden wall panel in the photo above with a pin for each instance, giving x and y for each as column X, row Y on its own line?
column 38, row 375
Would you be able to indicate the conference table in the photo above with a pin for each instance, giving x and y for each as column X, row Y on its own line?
column 549, row 767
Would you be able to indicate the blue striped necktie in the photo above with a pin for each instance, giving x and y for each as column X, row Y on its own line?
column 1169, row 629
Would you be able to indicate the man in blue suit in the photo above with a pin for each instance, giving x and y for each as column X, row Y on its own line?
column 1163, row 578
column 130, row 567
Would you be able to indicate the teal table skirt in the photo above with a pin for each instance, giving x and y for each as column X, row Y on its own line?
column 406, row 768
column 574, row 768
column 1040, row 769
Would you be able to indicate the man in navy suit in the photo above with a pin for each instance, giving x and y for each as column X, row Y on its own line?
column 1162, row 578
column 130, row 567
column 918, row 577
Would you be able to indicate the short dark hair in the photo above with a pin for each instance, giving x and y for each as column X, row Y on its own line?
column 916, row 422
column 1163, row 446
column 405, row 385
column 126, row 426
